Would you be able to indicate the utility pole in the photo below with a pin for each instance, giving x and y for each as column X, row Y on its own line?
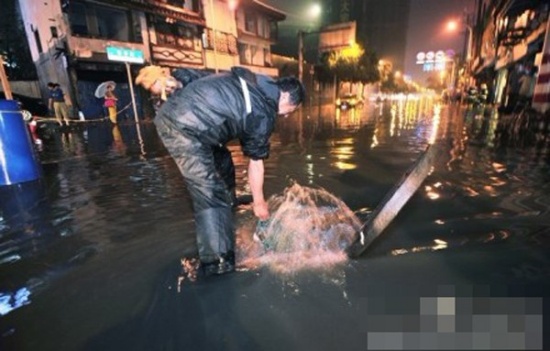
column 4, row 78
column 300, row 55
column 213, row 19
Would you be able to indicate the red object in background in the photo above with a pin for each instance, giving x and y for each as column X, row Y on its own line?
column 32, row 128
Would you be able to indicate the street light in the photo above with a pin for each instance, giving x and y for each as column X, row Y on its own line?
column 452, row 26
column 313, row 12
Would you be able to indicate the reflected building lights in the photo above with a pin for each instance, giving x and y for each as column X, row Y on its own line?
column 393, row 113
column 12, row 301
column 343, row 154
column 309, row 172
column 438, row 245
column 499, row 168
column 431, row 193
column 435, row 124
column 375, row 142
column 470, row 192
column 400, row 116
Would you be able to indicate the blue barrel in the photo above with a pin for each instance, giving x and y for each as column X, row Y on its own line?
column 18, row 159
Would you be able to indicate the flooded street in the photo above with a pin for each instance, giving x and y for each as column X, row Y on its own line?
column 90, row 256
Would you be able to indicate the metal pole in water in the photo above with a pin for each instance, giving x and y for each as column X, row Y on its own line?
column 132, row 91
column 393, row 202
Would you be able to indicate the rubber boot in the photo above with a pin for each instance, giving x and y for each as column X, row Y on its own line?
column 216, row 240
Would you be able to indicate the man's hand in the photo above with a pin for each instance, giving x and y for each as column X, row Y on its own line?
column 256, row 181
column 261, row 210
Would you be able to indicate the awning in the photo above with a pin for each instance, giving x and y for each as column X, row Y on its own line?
column 160, row 9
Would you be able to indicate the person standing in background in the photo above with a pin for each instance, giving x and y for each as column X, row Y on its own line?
column 110, row 103
column 527, row 86
column 56, row 102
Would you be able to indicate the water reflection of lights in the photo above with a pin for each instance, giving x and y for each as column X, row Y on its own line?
column 435, row 123
column 11, row 301
column 309, row 172
column 498, row 167
column 498, row 181
column 393, row 113
column 400, row 116
column 343, row 154
column 438, row 245
column 491, row 237
column 471, row 192
column 375, row 142
column 431, row 191
column 309, row 168
column 347, row 118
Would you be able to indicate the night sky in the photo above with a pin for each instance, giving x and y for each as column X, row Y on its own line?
column 426, row 27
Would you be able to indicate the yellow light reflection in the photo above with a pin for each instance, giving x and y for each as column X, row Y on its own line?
column 499, row 167
column 470, row 191
column 344, row 153
column 438, row 245
column 393, row 113
column 375, row 142
column 435, row 124
column 431, row 193
column 498, row 181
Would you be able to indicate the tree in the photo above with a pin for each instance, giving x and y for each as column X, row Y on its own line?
column 13, row 43
column 352, row 64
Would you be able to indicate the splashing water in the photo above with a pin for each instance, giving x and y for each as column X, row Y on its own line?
column 308, row 229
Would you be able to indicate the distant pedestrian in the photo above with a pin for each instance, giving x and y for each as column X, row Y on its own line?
column 527, row 86
column 56, row 102
column 110, row 103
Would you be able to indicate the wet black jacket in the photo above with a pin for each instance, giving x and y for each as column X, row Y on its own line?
column 213, row 110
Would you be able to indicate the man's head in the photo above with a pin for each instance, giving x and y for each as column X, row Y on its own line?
column 292, row 94
column 51, row 85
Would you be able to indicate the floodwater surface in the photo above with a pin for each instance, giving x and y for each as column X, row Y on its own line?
column 90, row 255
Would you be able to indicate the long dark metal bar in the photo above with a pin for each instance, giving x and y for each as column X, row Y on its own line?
column 393, row 202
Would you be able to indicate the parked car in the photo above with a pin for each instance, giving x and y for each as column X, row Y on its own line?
column 348, row 101
column 35, row 106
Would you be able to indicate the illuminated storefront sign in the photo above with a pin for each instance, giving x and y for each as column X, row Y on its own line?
column 434, row 60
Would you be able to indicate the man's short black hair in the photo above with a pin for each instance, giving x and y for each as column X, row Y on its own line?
column 51, row 84
column 294, row 87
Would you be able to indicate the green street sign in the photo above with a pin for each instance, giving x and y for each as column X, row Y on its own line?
column 115, row 53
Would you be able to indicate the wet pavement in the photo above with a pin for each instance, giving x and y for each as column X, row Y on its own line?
column 90, row 256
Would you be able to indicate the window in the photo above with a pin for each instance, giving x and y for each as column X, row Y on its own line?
column 96, row 21
column 250, row 22
column 244, row 54
column 190, row 5
column 37, row 40
column 175, row 34
column 78, row 19
column 261, row 28
column 53, row 30
column 112, row 24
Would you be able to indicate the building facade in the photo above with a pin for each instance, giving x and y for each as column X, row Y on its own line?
column 511, row 39
column 69, row 39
